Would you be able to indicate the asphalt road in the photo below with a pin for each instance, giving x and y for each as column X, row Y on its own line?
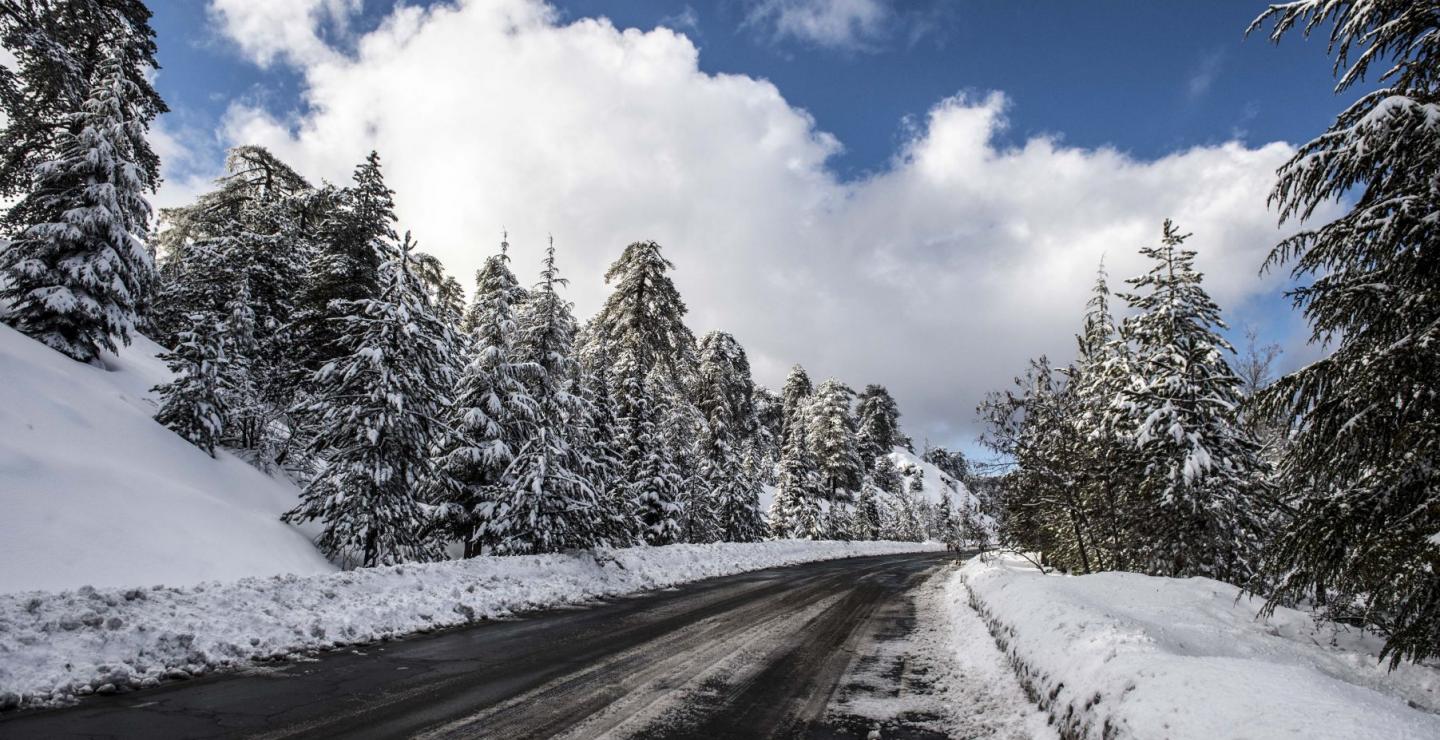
column 753, row 655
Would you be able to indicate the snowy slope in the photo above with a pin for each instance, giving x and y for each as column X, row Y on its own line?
column 54, row 646
column 933, row 479
column 94, row 491
column 1124, row 655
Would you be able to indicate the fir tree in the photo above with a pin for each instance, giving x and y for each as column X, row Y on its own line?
column 831, row 437
column 375, row 410
column 795, row 512
column 545, row 502
column 492, row 412
column 1364, row 449
column 63, row 50
column 879, row 425
column 78, row 269
column 194, row 405
column 654, row 485
column 353, row 240
column 1202, row 472
column 725, row 394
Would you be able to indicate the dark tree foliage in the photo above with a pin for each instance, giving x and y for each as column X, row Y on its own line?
column 1366, row 419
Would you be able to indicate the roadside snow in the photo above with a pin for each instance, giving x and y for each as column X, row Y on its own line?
column 944, row 675
column 54, row 646
column 94, row 491
column 1123, row 655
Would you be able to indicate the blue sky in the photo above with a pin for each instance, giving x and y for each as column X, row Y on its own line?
column 1118, row 89
column 1147, row 78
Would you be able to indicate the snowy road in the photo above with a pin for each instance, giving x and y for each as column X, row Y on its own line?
column 767, row 653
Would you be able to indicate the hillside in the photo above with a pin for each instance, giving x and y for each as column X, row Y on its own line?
column 95, row 492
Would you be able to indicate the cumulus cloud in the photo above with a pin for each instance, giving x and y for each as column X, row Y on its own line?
column 266, row 30
column 840, row 24
column 938, row 276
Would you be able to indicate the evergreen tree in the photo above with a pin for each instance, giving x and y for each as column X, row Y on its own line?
column 374, row 410
column 879, row 425
column 78, row 269
column 64, row 50
column 654, row 486
column 648, row 351
column 1364, row 449
column 492, row 412
column 1203, row 476
column 795, row 512
column 352, row 241
column 725, row 394
column 193, row 405
column 545, row 502
column 832, row 440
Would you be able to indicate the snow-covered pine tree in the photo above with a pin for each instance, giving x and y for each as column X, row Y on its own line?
column 61, row 49
column 879, row 425
column 769, row 426
column 598, row 434
column 492, row 412
column 831, row 437
column 545, row 502
column 78, row 268
column 1365, row 447
column 725, row 395
column 641, row 335
column 794, row 401
column 194, row 403
column 374, row 410
column 249, row 235
column 653, row 486
column 1108, row 467
column 795, row 512
column 1204, row 481
column 352, row 241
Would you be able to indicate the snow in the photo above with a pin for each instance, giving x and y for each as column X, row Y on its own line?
column 94, row 491
column 54, row 646
column 1124, row 655
column 952, row 678
column 935, row 479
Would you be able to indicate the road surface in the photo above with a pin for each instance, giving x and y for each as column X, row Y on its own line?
column 760, row 654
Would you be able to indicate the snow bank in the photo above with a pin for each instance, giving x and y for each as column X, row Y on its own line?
column 1123, row 655
column 57, row 645
column 94, row 491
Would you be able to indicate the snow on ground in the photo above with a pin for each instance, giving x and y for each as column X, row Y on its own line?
column 95, row 492
column 933, row 480
column 57, row 645
column 944, row 675
column 1124, row 655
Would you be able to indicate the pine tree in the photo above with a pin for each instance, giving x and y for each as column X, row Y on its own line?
column 831, row 436
column 62, row 50
column 493, row 410
column 654, row 486
column 375, row 410
column 1203, row 476
column 1364, row 449
column 194, row 405
column 879, row 425
column 545, row 502
column 725, row 394
column 356, row 234
column 795, row 512
column 648, row 352
column 78, row 270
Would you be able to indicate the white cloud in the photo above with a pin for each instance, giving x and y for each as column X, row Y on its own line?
column 266, row 30
column 937, row 277
column 841, row 24
column 1204, row 74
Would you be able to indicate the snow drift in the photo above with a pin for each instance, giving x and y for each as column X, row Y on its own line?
column 95, row 492
column 1124, row 655
column 54, row 646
